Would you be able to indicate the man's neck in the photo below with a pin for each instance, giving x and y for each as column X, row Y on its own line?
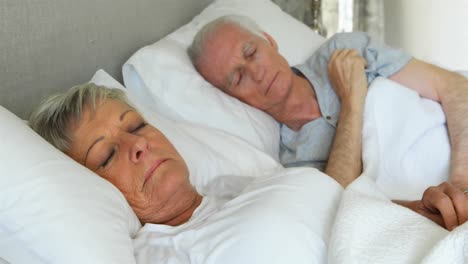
column 301, row 105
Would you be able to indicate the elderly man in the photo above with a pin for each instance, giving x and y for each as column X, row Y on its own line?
column 320, row 103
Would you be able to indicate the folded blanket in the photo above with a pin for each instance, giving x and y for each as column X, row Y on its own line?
column 405, row 141
column 405, row 150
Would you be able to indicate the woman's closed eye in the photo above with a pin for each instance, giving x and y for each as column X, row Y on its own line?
column 140, row 126
column 112, row 153
column 108, row 159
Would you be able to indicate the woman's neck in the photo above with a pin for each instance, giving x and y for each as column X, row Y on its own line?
column 186, row 214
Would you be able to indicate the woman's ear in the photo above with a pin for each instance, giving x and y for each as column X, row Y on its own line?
column 271, row 40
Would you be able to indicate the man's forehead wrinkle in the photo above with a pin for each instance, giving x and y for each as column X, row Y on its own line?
column 219, row 67
column 220, row 63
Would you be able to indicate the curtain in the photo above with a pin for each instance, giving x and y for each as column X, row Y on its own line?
column 369, row 17
column 328, row 17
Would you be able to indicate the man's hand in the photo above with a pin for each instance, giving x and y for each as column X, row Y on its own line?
column 348, row 78
column 444, row 204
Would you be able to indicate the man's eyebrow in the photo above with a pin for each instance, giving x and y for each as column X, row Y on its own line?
column 90, row 147
column 246, row 47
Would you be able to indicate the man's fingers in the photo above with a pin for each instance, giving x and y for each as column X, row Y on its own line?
column 332, row 60
column 345, row 53
column 459, row 202
column 437, row 218
column 355, row 58
column 435, row 199
column 349, row 53
column 334, row 55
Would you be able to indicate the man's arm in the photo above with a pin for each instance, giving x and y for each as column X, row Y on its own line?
column 346, row 73
column 345, row 160
column 451, row 90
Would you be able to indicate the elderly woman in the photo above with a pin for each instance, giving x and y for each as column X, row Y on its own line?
column 100, row 129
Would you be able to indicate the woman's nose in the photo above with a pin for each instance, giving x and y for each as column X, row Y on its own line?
column 138, row 148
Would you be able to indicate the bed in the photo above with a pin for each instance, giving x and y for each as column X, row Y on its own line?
column 53, row 210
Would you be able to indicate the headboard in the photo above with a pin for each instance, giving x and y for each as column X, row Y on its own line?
column 51, row 45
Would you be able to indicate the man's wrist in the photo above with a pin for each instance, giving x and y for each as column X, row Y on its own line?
column 461, row 185
column 458, row 178
column 353, row 106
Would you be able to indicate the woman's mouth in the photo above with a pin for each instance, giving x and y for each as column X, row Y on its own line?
column 150, row 171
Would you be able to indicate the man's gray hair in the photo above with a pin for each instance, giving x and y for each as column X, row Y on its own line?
column 53, row 117
column 195, row 50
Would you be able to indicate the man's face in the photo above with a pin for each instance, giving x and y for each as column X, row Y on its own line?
column 118, row 144
column 246, row 66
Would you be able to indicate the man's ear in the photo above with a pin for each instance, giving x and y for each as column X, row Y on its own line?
column 271, row 40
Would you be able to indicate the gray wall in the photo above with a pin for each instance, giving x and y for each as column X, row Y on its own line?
column 51, row 45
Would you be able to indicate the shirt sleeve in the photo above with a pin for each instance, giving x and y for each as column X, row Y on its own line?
column 382, row 60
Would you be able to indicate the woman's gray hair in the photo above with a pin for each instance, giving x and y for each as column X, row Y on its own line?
column 53, row 117
column 195, row 49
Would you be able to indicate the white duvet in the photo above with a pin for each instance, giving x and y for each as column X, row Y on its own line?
column 405, row 142
column 405, row 149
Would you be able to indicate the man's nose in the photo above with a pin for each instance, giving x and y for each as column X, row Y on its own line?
column 255, row 71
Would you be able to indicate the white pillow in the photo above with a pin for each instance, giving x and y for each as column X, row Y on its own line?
column 209, row 153
column 164, row 78
column 54, row 210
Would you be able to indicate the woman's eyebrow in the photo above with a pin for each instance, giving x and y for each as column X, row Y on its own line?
column 124, row 113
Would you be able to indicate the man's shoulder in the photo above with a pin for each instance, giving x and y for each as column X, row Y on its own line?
column 349, row 35
column 347, row 39
column 339, row 41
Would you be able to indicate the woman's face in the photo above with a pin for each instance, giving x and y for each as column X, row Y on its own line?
column 118, row 144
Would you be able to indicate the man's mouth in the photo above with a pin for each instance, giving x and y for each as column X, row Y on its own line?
column 271, row 83
column 150, row 171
